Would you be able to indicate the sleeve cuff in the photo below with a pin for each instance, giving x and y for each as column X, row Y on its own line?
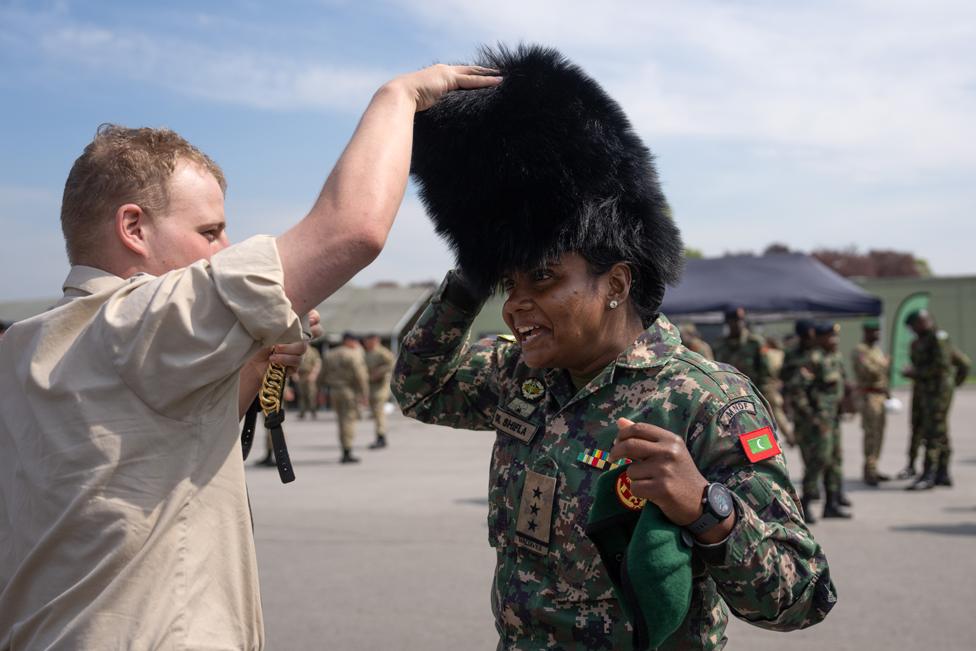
column 249, row 280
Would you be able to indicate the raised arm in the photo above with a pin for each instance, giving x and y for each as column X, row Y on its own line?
column 348, row 225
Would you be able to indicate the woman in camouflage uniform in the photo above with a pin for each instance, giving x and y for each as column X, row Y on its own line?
column 592, row 373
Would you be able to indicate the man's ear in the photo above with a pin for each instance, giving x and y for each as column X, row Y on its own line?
column 131, row 228
column 619, row 280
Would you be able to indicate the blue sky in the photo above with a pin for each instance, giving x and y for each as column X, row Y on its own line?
column 814, row 124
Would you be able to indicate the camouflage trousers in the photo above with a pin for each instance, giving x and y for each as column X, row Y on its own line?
column 347, row 413
column 819, row 448
column 378, row 395
column 930, row 426
column 308, row 394
column 873, row 425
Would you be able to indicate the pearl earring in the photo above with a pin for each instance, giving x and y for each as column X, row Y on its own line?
column 613, row 304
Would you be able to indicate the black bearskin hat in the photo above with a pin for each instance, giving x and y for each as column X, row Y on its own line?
column 543, row 164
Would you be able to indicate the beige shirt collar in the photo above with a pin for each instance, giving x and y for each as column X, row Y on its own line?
column 84, row 281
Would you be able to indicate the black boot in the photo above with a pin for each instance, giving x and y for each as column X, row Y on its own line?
column 380, row 442
column 807, row 511
column 347, row 457
column 942, row 477
column 842, row 498
column 923, row 483
column 833, row 508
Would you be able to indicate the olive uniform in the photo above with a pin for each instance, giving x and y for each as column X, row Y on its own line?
column 308, row 382
column 871, row 368
column 550, row 589
column 346, row 375
column 938, row 368
column 379, row 363
column 693, row 341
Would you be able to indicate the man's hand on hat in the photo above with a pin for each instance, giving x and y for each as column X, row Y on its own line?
column 429, row 85
column 662, row 469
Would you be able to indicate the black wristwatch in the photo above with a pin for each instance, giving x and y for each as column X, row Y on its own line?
column 718, row 505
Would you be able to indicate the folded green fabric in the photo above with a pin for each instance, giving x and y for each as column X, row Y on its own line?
column 647, row 561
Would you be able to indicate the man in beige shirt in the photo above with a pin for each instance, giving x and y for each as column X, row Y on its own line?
column 124, row 521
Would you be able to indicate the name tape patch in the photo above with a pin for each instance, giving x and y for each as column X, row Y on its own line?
column 515, row 427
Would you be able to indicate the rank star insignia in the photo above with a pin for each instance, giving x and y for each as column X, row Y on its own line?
column 626, row 497
column 533, row 389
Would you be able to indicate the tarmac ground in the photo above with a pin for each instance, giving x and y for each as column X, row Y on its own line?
column 392, row 553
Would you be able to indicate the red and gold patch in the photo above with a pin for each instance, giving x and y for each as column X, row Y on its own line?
column 626, row 497
column 760, row 444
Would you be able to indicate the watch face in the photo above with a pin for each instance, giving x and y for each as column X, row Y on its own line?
column 720, row 500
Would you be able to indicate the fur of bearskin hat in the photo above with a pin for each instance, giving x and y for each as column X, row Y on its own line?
column 543, row 164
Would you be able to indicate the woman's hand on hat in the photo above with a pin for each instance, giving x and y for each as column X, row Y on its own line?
column 662, row 469
column 429, row 85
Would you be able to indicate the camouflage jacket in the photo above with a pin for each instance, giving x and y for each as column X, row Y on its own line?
column 747, row 353
column 938, row 365
column 829, row 383
column 550, row 588
column 870, row 367
column 799, row 367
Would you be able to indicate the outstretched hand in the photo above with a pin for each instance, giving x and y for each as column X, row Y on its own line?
column 429, row 85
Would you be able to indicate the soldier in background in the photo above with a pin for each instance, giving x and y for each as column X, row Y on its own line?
column 798, row 373
column 871, row 367
column 773, row 389
column 379, row 364
column 742, row 349
column 307, row 381
column 937, row 368
column 693, row 341
column 830, row 389
column 346, row 375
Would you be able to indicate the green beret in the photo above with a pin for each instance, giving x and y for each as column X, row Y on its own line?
column 645, row 556
column 871, row 324
column 913, row 315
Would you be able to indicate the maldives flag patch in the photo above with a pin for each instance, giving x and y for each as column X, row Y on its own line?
column 760, row 444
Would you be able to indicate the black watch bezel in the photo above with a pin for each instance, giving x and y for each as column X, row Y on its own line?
column 718, row 505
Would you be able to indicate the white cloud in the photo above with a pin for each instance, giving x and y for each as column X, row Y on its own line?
column 878, row 88
column 226, row 70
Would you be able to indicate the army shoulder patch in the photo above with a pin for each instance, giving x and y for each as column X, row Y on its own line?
column 735, row 408
column 760, row 444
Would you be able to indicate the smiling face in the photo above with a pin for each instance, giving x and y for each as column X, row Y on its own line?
column 559, row 313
